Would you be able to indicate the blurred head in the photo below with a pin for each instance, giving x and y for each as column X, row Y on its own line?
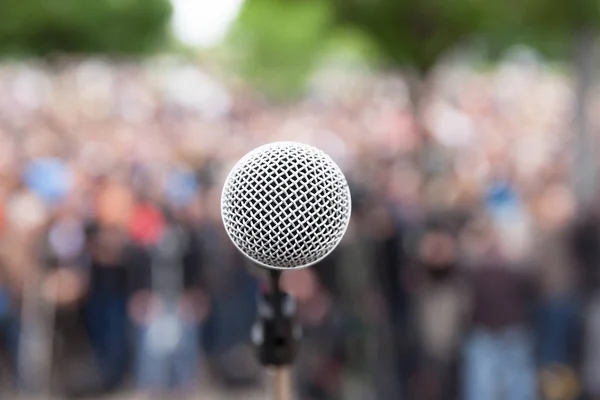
column 556, row 207
column 405, row 184
column 437, row 250
column 26, row 213
column 302, row 284
column 114, row 204
column 480, row 239
column 380, row 222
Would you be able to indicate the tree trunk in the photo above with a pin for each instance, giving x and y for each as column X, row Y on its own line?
column 584, row 66
column 417, row 85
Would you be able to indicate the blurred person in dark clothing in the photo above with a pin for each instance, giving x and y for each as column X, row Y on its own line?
column 559, row 283
column 591, row 344
column 391, row 231
column 385, row 239
column 391, row 260
column 233, row 292
column 585, row 242
column 168, row 305
column 586, row 247
column 441, row 301
column 321, row 358
column 105, row 309
column 9, row 328
column 65, row 258
column 498, row 351
column 8, row 322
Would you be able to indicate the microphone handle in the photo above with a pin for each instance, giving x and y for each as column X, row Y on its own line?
column 282, row 384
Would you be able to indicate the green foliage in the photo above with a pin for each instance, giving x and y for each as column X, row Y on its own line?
column 417, row 32
column 351, row 44
column 277, row 42
column 550, row 26
column 412, row 32
column 43, row 27
column 282, row 39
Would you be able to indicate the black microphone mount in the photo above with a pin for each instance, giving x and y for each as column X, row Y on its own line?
column 276, row 332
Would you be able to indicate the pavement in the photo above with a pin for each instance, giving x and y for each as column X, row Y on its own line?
column 206, row 394
column 354, row 390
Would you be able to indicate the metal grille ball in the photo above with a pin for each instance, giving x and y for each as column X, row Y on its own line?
column 286, row 205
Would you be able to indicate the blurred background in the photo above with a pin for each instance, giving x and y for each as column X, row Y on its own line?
column 467, row 130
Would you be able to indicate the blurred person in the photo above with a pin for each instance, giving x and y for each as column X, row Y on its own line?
column 7, row 300
column 233, row 290
column 590, row 367
column 391, row 223
column 27, row 323
column 9, row 328
column 498, row 349
column 441, row 302
column 64, row 258
column 168, row 306
column 506, row 207
column 586, row 245
column 388, row 234
column 586, row 240
column 559, row 302
column 321, row 358
column 105, row 308
column 52, row 291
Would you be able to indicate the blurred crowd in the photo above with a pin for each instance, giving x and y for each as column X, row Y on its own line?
column 469, row 269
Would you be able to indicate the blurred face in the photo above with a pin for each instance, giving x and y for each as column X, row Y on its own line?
column 480, row 238
column 26, row 212
column 301, row 284
column 193, row 212
column 380, row 223
column 556, row 207
column 405, row 186
column 437, row 249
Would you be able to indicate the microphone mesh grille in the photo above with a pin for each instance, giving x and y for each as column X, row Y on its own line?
column 286, row 205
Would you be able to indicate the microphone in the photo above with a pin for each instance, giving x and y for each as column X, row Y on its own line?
column 284, row 205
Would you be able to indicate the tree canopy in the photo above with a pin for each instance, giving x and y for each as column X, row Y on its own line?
column 412, row 32
column 551, row 26
column 43, row 27
column 284, row 37
column 277, row 42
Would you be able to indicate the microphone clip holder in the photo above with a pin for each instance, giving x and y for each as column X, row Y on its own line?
column 276, row 333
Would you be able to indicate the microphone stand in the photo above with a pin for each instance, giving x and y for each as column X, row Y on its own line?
column 277, row 335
